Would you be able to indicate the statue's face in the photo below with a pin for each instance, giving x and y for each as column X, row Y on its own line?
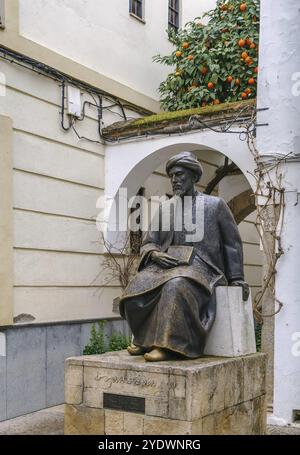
column 182, row 180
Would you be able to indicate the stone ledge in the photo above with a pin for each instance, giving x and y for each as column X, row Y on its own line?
column 167, row 122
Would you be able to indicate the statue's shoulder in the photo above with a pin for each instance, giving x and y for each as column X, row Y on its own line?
column 212, row 201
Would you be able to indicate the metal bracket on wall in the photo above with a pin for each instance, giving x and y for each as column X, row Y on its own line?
column 257, row 125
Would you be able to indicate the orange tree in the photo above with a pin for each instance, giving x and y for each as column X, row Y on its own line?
column 213, row 63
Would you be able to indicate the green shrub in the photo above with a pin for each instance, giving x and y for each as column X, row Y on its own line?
column 96, row 344
column 117, row 342
column 100, row 343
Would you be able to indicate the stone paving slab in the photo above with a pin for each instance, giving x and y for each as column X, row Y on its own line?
column 277, row 430
column 48, row 421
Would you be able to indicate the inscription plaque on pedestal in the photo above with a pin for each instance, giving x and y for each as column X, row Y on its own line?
column 124, row 403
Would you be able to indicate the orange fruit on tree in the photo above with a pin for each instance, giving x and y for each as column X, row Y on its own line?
column 190, row 57
column 216, row 101
column 256, row 69
column 250, row 62
column 243, row 7
column 178, row 54
column 223, row 7
column 185, row 45
column 242, row 42
column 252, row 46
column 237, row 81
column 244, row 55
column 248, row 41
column 244, row 96
column 210, row 85
column 229, row 79
column 248, row 59
column 203, row 70
column 251, row 81
column 248, row 90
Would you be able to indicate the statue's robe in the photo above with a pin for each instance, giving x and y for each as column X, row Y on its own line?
column 175, row 308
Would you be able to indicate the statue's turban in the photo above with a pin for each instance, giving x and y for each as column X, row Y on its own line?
column 187, row 160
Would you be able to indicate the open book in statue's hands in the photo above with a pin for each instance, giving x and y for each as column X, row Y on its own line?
column 183, row 253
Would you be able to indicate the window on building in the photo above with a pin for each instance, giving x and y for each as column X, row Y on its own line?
column 174, row 6
column 136, row 7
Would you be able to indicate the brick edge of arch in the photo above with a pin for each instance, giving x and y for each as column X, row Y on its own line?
column 242, row 205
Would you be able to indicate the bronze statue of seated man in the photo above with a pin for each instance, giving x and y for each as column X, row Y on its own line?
column 170, row 304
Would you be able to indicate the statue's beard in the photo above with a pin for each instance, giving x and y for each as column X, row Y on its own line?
column 178, row 192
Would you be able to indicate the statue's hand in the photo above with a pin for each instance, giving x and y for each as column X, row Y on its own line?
column 164, row 260
column 244, row 285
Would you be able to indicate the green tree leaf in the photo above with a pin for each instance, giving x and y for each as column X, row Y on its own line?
column 216, row 47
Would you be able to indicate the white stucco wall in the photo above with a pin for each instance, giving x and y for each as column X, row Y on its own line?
column 192, row 9
column 287, row 322
column 279, row 78
column 278, row 90
column 56, row 182
column 103, row 36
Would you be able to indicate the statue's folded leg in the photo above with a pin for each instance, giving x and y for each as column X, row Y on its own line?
column 176, row 316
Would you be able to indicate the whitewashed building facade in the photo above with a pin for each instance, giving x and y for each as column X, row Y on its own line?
column 53, row 170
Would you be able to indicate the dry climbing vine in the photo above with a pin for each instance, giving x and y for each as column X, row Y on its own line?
column 269, row 194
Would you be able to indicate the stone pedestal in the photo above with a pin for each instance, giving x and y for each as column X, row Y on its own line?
column 117, row 394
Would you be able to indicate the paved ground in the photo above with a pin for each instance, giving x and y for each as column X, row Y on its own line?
column 294, row 430
column 51, row 422
column 46, row 422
